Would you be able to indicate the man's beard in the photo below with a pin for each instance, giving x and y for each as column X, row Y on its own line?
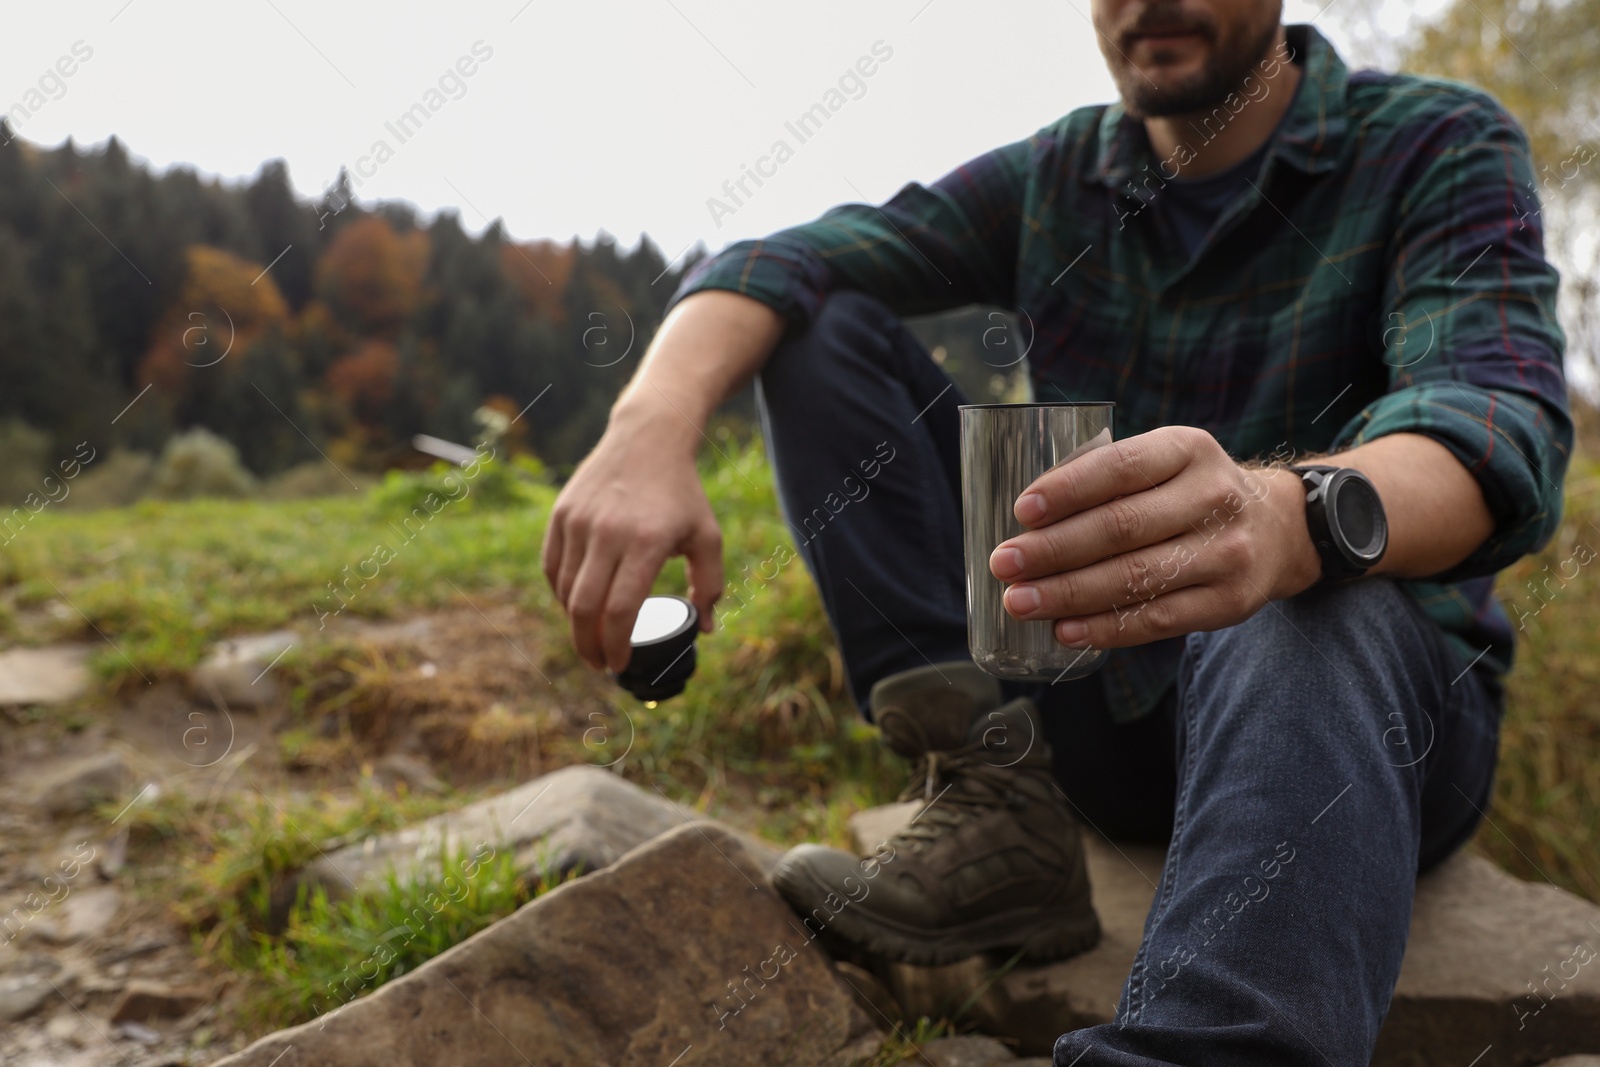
column 1231, row 60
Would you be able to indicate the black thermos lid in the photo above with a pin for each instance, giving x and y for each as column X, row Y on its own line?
column 663, row 648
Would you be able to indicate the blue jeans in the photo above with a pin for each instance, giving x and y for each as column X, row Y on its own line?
column 1304, row 767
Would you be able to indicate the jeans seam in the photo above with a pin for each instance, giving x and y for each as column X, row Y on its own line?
column 1170, row 867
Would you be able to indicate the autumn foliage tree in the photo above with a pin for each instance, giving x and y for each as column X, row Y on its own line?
column 541, row 271
column 364, row 380
column 372, row 275
column 1537, row 58
column 224, row 305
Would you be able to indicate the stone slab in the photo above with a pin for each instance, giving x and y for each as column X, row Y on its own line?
column 634, row 964
column 21, row 994
column 1480, row 939
column 576, row 819
column 53, row 675
column 238, row 672
column 1485, row 966
column 967, row 1050
column 85, row 913
column 76, row 786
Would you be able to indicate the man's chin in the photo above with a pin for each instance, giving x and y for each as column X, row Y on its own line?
column 1182, row 53
column 1167, row 91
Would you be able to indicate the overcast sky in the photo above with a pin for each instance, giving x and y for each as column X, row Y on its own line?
column 622, row 116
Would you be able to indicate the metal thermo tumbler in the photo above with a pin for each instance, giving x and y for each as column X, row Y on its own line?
column 1004, row 448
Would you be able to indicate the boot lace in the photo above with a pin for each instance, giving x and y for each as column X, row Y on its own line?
column 955, row 785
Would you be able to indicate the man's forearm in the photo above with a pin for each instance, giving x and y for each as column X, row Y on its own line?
column 708, row 348
column 1436, row 512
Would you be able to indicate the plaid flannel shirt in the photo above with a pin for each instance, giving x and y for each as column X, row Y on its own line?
column 1383, row 273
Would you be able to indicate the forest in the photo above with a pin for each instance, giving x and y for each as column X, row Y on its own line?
column 289, row 328
column 137, row 306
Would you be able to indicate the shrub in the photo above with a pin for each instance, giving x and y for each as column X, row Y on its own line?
column 26, row 452
column 497, row 484
column 199, row 463
column 119, row 479
column 308, row 480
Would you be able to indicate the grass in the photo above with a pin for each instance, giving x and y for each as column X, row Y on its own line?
column 155, row 585
column 333, row 951
column 765, row 734
column 225, row 868
column 905, row 1045
column 162, row 581
column 1545, row 822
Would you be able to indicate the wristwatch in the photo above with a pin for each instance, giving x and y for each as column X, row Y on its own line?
column 1346, row 520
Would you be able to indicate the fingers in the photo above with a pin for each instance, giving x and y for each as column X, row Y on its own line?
column 574, row 544
column 1120, row 469
column 1130, row 578
column 1118, row 526
column 630, row 584
column 1196, row 608
column 704, row 554
column 550, row 552
column 590, row 591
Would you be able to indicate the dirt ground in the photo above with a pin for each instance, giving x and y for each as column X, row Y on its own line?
column 473, row 697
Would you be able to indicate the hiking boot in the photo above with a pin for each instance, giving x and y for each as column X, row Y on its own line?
column 993, row 860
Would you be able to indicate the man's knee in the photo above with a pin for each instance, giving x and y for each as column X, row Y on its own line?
column 849, row 335
column 1362, row 642
column 1342, row 628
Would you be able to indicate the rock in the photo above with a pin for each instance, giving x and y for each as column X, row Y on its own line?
column 143, row 1001
column 114, row 957
column 633, row 964
column 21, row 961
column 138, row 1032
column 1481, row 941
column 579, row 818
column 967, row 1051
column 80, row 785
column 52, row 675
column 1478, row 938
column 415, row 773
column 1574, row 1061
column 20, row 994
column 63, row 1026
column 238, row 672
column 872, row 996
column 84, row 913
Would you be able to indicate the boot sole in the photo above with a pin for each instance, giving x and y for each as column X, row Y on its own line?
column 1051, row 935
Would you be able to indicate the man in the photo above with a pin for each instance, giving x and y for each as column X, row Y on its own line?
column 1261, row 258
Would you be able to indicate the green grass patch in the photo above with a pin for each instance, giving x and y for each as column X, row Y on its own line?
column 221, row 863
column 334, row 951
column 154, row 585
column 226, row 870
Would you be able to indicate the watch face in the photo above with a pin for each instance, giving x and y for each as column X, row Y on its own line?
column 1358, row 518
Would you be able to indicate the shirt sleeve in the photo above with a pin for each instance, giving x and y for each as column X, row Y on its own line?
column 930, row 248
column 1471, row 339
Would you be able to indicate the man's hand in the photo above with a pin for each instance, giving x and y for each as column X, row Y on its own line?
column 633, row 503
column 1158, row 535
column 637, row 499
